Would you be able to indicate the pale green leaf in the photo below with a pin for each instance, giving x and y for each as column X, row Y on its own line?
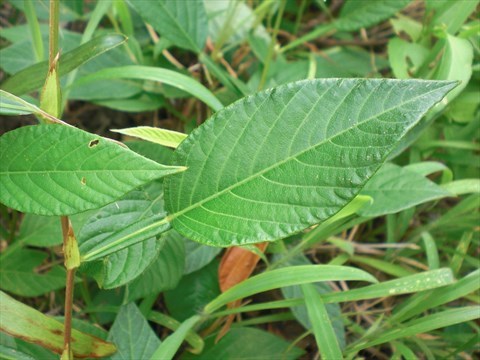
column 284, row 159
column 322, row 327
column 169, row 346
column 184, row 23
column 132, row 335
column 61, row 170
column 165, row 76
column 293, row 275
column 125, row 265
column 22, row 321
column 394, row 189
column 157, row 135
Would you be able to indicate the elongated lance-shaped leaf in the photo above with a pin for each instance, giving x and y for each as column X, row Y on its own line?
column 293, row 275
column 61, row 170
column 33, row 77
column 169, row 346
column 279, row 161
column 160, row 136
column 24, row 322
column 165, row 76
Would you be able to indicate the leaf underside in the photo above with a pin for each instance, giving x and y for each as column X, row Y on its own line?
column 284, row 159
column 61, row 170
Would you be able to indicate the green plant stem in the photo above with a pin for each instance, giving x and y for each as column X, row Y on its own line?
column 298, row 19
column 32, row 21
column 271, row 48
column 53, row 30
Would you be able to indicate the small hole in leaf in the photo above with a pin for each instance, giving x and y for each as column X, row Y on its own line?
column 83, row 181
column 93, row 143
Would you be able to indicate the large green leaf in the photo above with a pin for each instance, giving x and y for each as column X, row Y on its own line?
column 22, row 321
column 125, row 265
column 394, row 188
column 284, row 159
column 184, row 23
column 61, row 170
column 18, row 273
column 133, row 336
column 33, row 77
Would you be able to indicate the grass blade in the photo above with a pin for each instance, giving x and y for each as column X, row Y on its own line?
column 322, row 327
column 165, row 76
column 294, row 275
column 168, row 348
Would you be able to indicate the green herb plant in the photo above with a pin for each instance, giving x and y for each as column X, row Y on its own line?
column 302, row 158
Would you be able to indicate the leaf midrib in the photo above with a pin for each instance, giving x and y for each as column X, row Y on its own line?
column 171, row 217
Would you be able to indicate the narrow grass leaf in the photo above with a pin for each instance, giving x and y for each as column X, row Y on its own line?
column 425, row 324
column 169, row 346
column 461, row 251
column 61, row 170
column 425, row 301
column 165, row 76
column 157, row 135
column 193, row 339
column 28, row 324
column 322, row 327
column 431, row 250
column 405, row 285
column 287, row 276
column 279, row 161
column 33, row 77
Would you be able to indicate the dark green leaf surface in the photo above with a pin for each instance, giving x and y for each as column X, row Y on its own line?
column 359, row 14
column 198, row 255
column 284, row 159
column 61, row 170
column 164, row 273
column 247, row 344
column 394, row 189
column 184, row 23
column 18, row 275
column 132, row 335
column 125, row 265
column 193, row 292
